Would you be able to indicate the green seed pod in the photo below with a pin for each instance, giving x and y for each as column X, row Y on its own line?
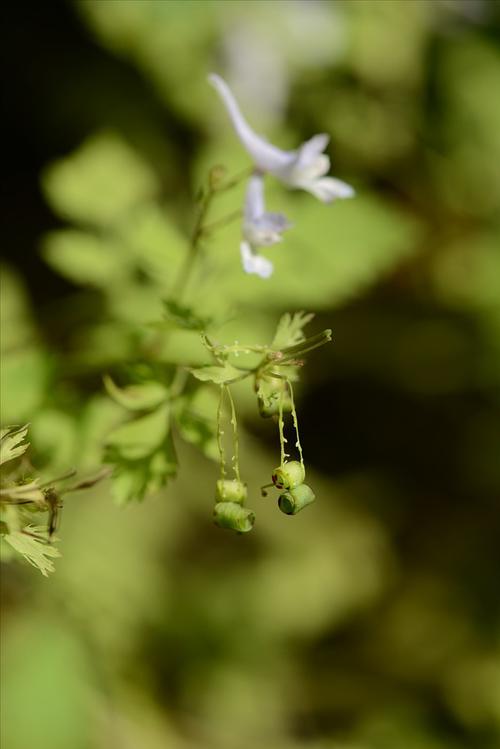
column 230, row 490
column 295, row 500
column 232, row 515
column 289, row 475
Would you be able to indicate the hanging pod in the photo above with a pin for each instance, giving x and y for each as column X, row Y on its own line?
column 233, row 516
column 289, row 475
column 296, row 499
column 230, row 490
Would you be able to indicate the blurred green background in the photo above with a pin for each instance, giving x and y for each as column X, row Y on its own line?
column 370, row 621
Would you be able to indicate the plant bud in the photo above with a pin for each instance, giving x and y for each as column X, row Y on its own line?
column 230, row 490
column 233, row 516
column 289, row 475
column 295, row 500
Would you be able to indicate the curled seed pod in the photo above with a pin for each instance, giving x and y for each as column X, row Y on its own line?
column 295, row 500
column 232, row 515
column 230, row 490
column 289, row 475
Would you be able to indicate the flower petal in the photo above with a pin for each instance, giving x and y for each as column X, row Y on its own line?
column 254, row 198
column 311, row 149
column 265, row 156
column 254, row 263
column 328, row 189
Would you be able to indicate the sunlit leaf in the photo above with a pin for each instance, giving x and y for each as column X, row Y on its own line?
column 100, row 182
column 291, row 329
column 140, row 437
column 196, row 420
column 140, row 397
column 36, row 551
column 217, row 374
column 12, row 443
column 85, row 258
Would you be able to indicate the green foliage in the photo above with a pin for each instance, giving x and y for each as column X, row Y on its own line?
column 100, row 183
column 290, row 329
column 185, row 317
column 219, row 375
column 196, row 422
column 141, row 397
column 31, row 544
column 143, row 455
column 12, row 444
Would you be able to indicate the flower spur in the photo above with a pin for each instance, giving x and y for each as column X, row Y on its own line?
column 304, row 168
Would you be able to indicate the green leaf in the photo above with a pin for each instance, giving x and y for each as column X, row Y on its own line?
column 141, row 397
column 85, row 258
column 99, row 183
column 11, row 443
column 139, row 438
column 24, row 380
column 133, row 479
column 218, row 374
column 185, row 317
column 37, row 552
column 290, row 329
column 196, row 420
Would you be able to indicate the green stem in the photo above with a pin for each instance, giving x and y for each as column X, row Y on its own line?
column 295, row 422
column 281, row 428
column 220, row 433
column 236, row 444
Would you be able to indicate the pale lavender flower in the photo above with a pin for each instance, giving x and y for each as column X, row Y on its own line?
column 304, row 168
column 260, row 229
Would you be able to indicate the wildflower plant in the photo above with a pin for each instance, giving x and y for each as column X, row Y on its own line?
column 158, row 395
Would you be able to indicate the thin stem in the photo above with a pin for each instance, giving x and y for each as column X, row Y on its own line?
column 208, row 229
column 281, row 428
column 220, row 433
column 236, row 445
column 295, row 422
column 212, row 190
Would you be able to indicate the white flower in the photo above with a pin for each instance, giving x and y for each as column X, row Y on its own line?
column 260, row 229
column 304, row 168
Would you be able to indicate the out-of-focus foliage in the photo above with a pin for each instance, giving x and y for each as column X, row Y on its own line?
column 372, row 620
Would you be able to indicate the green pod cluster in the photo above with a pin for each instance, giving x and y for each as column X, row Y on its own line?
column 293, row 501
column 233, row 516
column 230, row 490
column 289, row 475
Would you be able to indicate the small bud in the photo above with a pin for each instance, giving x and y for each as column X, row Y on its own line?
column 216, row 176
column 295, row 500
column 233, row 516
column 289, row 475
column 230, row 490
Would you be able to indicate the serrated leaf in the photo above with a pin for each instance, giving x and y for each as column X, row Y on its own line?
column 290, row 329
column 35, row 551
column 11, row 443
column 100, row 182
column 142, row 397
column 139, row 438
column 217, row 374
